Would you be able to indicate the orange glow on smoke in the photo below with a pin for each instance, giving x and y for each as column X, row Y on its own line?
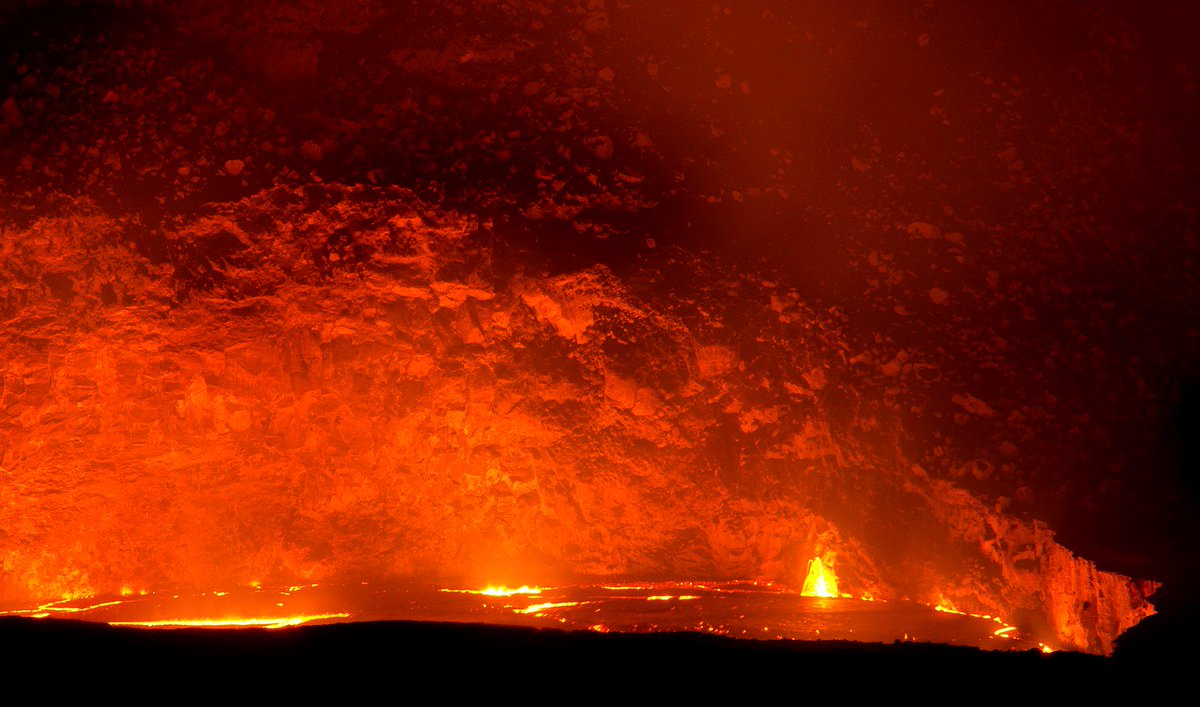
column 821, row 581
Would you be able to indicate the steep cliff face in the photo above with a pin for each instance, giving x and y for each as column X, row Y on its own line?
column 1066, row 595
column 345, row 383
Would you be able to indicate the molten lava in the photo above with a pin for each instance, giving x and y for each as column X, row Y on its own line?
column 760, row 610
column 268, row 622
column 500, row 591
column 821, row 581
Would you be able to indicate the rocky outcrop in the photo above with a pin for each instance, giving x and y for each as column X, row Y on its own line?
column 336, row 383
column 1082, row 606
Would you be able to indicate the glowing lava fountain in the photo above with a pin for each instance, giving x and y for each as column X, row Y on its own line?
column 821, row 581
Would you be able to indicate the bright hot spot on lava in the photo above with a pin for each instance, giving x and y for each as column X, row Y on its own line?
column 821, row 581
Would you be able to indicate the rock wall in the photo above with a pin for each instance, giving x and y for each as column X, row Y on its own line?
column 343, row 383
column 1065, row 595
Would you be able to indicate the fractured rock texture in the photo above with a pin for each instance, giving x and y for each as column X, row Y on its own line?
column 339, row 383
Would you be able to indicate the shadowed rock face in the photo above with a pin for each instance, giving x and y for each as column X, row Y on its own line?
column 344, row 383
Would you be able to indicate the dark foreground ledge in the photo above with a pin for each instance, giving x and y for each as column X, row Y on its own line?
column 460, row 659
